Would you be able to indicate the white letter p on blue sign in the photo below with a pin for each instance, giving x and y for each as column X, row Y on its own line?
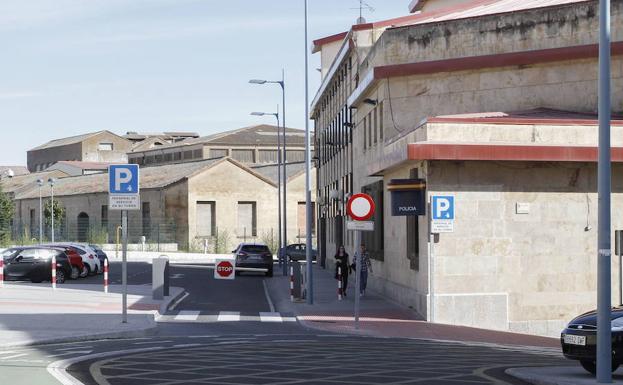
column 443, row 207
column 123, row 179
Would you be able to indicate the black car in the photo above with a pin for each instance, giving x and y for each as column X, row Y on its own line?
column 35, row 264
column 298, row 252
column 579, row 339
column 254, row 255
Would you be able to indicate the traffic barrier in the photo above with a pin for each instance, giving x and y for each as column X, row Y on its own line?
column 339, row 283
column 1, row 272
column 54, row 272
column 105, row 275
column 291, row 283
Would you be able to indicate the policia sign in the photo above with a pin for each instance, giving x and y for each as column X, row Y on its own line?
column 408, row 197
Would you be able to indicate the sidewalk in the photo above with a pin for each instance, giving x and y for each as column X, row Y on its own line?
column 34, row 313
column 559, row 375
column 379, row 316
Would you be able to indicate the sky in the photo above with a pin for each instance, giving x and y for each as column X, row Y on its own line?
column 70, row 67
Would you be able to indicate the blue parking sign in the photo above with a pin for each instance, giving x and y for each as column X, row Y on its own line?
column 123, row 179
column 443, row 207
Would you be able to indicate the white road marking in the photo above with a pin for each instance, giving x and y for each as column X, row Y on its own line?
column 228, row 316
column 185, row 345
column 270, row 317
column 70, row 353
column 73, row 348
column 187, row 315
column 270, row 302
column 150, row 342
column 14, row 356
column 174, row 305
column 8, row 352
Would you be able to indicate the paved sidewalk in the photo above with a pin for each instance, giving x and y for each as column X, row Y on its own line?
column 379, row 316
column 34, row 313
column 560, row 375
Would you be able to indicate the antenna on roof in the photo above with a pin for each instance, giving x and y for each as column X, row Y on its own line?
column 363, row 5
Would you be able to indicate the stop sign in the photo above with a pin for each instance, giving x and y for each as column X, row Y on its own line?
column 224, row 269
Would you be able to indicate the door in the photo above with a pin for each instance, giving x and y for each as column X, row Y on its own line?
column 22, row 265
column 83, row 227
column 323, row 240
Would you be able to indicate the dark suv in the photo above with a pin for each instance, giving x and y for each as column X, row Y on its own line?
column 35, row 264
column 298, row 252
column 254, row 255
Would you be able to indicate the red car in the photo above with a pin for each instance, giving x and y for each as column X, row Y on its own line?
column 78, row 269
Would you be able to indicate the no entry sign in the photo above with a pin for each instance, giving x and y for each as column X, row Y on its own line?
column 224, row 269
column 360, row 207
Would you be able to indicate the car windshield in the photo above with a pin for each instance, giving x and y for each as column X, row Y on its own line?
column 255, row 249
column 8, row 252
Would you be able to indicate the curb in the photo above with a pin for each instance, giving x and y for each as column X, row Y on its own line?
column 137, row 332
column 536, row 379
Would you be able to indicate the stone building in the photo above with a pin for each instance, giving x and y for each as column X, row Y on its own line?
column 254, row 144
column 184, row 203
column 491, row 102
column 101, row 146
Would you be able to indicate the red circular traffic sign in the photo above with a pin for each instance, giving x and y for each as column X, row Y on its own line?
column 360, row 207
column 224, row 269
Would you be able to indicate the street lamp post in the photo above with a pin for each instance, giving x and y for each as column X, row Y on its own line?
column 51, row 183
column 281, row 168
column 40, row 184
column 276, row 115
column 308, row 208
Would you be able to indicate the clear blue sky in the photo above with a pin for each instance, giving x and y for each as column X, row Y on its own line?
column 75, row 66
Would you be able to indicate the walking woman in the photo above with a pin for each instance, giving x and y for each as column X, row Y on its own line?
column 341, row 262
column 366, row 265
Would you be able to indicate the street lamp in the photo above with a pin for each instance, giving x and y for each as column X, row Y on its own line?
column 308, row 209
column 40, row 184
column 276, row 115
column 51, row 182
column 281, row 83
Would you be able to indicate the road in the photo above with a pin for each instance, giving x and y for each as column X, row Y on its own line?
column 225, row 332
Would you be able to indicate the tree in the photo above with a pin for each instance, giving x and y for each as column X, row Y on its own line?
column 59, row 213
column 7, row 209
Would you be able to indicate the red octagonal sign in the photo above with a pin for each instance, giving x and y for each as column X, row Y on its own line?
column 360, row 207
column 224, row 269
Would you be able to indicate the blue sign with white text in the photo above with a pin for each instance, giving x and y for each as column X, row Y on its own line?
column 123, row 179
column 443, row 207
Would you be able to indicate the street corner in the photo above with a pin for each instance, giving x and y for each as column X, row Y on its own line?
column 558, row 375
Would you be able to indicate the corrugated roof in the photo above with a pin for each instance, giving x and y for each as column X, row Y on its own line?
column 17, row 170
column 260, row 135
column 12, row 185
column 87, row 165
column 270, row 171
column 69, row 140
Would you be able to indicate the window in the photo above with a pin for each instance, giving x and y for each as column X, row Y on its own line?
column 33, row 221
column 218, row 152
column 105, row 147
column 375, row 124
column 177, row 156
column 365, row 133
column 413, row 235
column 245, row 156
column 268, row 156
column 370, row 129
column 105, row 216
column 374, row 240
column 247, row 220
column 188, row 154
column 206, row 219
column 381, row 128
column 146, row 220
column 198, row 154
column 168, row 157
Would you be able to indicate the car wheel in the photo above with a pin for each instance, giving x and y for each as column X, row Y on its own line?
column 591, row 366
column 84, row 272
column 75, row 272
column 60, row 276
column 269, row 273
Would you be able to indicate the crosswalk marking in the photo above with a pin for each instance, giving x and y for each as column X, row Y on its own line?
column 70, row 353
column 187, row 315
column 14, row 356
column 270, row 317
column 228, row 316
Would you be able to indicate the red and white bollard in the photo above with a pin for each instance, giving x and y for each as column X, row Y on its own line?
column 339, row 283
column 54, row 272
column 106, row 275
column 292, row 283
column 1, row 272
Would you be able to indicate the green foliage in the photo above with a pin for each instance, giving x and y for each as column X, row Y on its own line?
column 220, row 242
column 98, row 235
column 7, row 210
column 59, row 213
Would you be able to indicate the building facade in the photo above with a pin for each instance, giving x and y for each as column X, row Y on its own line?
column 495, row 105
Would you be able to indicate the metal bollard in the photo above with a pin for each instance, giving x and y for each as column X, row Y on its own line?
column 54, row 272
column 106, row 275
column 339, row 283
column 291, row 283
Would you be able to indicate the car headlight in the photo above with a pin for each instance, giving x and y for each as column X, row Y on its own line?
column 617, row 324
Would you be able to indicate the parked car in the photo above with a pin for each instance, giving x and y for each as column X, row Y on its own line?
column 99, row 265
column 88, row 257
column 579, row 339
column 297, row 252
column 35, row 264
column 78, row 269
column 100, row 254
column 254, row 255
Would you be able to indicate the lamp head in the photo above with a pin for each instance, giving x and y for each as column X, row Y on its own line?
column 258, row 113
column 51, row 181
column 257, row 81
column 40, row 182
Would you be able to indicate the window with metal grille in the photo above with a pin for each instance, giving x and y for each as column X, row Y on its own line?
column 247, row 219
column 206, row 219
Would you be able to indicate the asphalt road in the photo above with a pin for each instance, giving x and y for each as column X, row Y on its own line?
column 217, row 335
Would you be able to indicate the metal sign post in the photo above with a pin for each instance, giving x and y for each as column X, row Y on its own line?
column 618, row 239
column 123, row 194
column 358, row 276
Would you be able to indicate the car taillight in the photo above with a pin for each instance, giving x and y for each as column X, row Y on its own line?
column 90, row 256
column 243, row 254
